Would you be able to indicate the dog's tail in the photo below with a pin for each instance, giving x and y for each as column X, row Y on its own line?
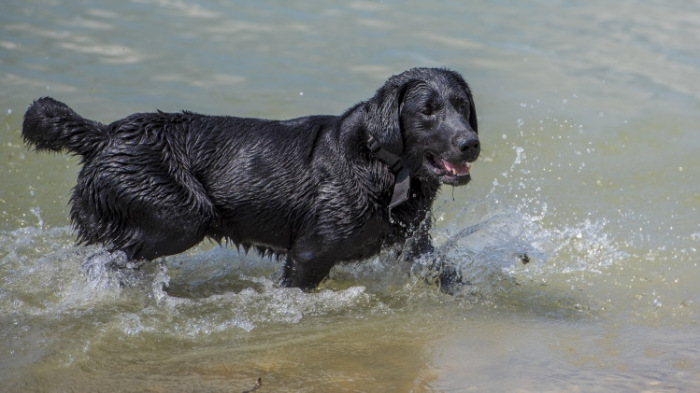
column 52, row 125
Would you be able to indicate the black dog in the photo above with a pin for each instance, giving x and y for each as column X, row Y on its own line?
column 317, row 189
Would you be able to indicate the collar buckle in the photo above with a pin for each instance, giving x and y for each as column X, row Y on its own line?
column 402, row 182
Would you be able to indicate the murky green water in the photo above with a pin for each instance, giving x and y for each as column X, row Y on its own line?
column 589, row 116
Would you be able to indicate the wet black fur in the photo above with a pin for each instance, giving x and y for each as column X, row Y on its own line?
column 156, row 184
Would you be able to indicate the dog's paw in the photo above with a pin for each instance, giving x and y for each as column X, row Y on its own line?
column 451, row 281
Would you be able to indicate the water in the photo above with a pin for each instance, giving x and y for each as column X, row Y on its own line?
column 589, row 117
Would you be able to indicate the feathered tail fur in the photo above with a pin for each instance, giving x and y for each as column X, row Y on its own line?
column 52, row 125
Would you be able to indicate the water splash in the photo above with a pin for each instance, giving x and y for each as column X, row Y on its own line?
column 47, row 276
column 37, row 212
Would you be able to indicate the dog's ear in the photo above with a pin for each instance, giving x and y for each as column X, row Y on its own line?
column 472, row 112
column 383, row 116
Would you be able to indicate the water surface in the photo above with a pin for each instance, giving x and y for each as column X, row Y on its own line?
column 589, row 118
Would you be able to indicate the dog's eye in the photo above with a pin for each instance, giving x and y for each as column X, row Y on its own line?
column 460, row 105
column 430, row 108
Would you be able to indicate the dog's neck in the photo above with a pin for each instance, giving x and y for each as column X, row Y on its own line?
column 402, row 182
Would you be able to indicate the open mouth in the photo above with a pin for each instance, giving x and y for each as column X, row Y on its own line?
column 454, row 173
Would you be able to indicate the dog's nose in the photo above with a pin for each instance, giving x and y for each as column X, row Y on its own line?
column 468, row 145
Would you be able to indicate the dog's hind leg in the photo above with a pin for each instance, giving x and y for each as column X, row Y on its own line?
column 140, row 209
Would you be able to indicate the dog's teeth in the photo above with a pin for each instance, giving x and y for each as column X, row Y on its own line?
column 454, row 171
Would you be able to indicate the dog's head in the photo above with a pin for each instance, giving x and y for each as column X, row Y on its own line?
column 427, row 117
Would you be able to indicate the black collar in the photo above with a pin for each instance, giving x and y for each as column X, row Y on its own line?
column 402, row 183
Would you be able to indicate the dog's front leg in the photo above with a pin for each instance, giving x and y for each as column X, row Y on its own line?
column 435, row 262
column 305, row 270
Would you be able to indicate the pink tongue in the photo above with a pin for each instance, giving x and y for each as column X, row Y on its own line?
column 459, row 169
